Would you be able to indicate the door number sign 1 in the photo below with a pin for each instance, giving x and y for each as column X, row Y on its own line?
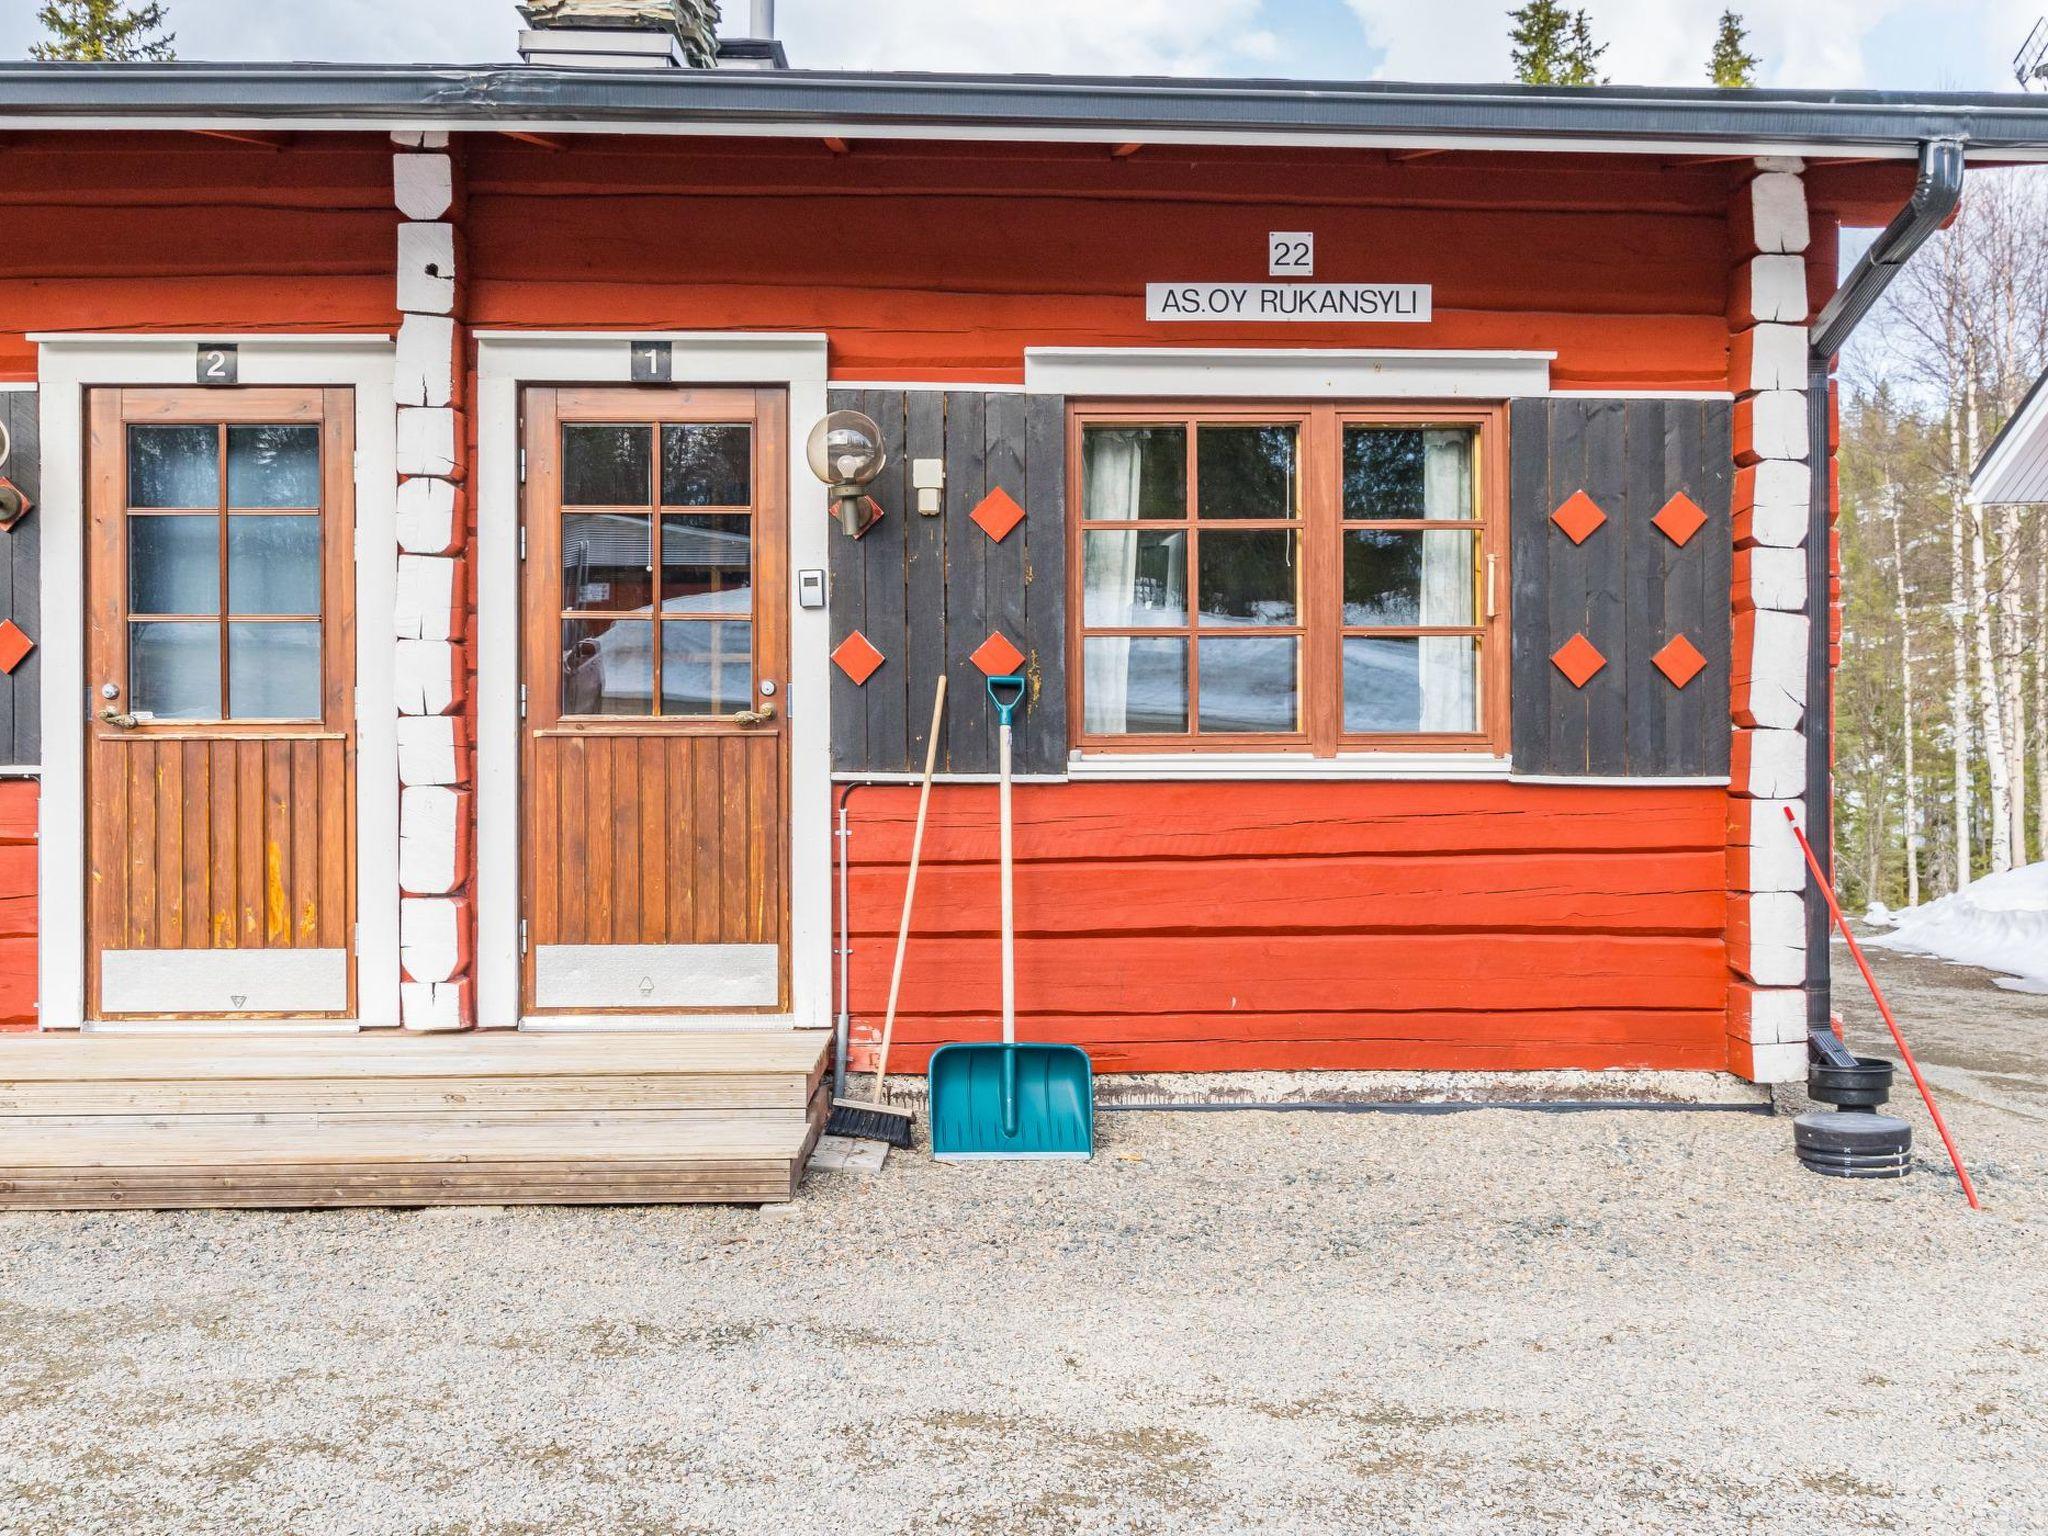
column 1291, row 253
column 219, row 363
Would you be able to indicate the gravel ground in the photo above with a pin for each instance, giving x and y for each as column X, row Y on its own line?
column 1228, row 1322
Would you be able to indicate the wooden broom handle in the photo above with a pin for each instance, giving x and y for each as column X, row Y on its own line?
column 924, row 800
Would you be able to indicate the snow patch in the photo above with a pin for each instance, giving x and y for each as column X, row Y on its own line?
column 1999, row 923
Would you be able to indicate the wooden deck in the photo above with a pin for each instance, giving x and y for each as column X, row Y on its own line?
column 479, row 1119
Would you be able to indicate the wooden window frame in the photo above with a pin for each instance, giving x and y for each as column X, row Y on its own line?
column 1320, row 429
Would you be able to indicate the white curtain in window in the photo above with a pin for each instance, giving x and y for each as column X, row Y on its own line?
column 1445, row 662
column 1109, row 575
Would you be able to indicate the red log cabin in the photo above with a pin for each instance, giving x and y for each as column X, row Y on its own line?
column 1409, row 506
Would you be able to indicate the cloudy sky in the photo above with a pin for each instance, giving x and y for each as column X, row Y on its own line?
column 1886, row 44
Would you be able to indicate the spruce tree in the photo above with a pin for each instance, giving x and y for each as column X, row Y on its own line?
column 103, row 31
column 1554, row 46
column 1732, row 66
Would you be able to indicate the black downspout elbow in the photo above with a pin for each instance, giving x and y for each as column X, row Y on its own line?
column 1935, row 195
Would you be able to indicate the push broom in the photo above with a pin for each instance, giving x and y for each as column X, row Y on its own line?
column 871, row 1119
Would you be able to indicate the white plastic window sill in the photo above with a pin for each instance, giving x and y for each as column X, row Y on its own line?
column 1286, row 765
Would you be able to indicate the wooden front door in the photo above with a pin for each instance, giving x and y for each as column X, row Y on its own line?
column 221, row 665
column 655, row 740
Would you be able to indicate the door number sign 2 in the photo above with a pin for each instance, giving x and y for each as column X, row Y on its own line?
column 218, row 364
column 1291, row 253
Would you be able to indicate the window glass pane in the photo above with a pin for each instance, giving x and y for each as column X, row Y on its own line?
column 1245, row 471
column 607, row 667
column 706, row 466
column 173, row 466
column 1407, row 576
column 1133, row 580
column 1250, row 685
column 1408, row 472
column 606, row 466
column 274, row 671
column 706, row 669
column 605, row 562
column 173, row 565
column 1129, row 473
column 707, row 564
column 1398, row 683
column 273, row 466
column 273, row 565
column 174, row 670
column 1134, row 686
column 1247, row 577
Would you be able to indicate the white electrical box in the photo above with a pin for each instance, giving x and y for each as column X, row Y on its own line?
column 928, row 478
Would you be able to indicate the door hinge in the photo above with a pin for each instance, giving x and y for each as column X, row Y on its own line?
column 522, row 466
column 522, row 701
column 522, row 935
column 522, row 541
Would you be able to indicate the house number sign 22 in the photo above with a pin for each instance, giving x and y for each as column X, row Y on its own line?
column 1291, row 253
column 219, row 364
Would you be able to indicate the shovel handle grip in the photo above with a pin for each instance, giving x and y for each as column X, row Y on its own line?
column 1007, row 694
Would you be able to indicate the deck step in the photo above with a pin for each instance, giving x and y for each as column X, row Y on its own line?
column 109, row 1122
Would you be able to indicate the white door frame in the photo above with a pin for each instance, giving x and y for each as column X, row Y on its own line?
column 506, row 361
column 70, row 364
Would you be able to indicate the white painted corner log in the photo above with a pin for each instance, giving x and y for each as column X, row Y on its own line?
column 1771, row 503
column 1771, row 288
column 426, row 440
column 1769, row 669
column 1768, row 425
column 426, row 269
column 426, row 517
column 425, row 368
column 433, row 937
column 429, row 677
column 433, row 840
column 1774, row 207
column 1767, row 937
column 423, row 185
column 429, row 605
column 1769, row 577
column 432, row 750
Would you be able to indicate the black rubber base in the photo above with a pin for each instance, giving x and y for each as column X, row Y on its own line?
column 1851, row 1144
column 1865, row 1085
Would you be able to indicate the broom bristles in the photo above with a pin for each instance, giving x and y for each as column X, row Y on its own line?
column 869, row 1122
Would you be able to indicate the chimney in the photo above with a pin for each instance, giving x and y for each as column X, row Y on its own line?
column 620, row 34
column 757, row 47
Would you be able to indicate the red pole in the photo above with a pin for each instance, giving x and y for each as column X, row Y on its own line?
column 1905, row 1051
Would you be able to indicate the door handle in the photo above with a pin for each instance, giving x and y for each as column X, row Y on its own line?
column 119, row 721
column 759, row 716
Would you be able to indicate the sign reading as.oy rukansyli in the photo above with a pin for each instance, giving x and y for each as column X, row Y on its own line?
column 1376, row 303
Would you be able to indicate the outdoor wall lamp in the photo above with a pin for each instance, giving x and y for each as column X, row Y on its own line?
column 845, row 450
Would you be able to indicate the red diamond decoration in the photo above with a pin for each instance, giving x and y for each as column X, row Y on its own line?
column 1578, row 517
column 14, row 645
column 1578, row 659
column 997, row 515
column 1680, row 661
column 997, row 657
column 1680, row 519
column 857, row 657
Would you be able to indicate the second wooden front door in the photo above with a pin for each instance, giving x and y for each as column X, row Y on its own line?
column 655, row 737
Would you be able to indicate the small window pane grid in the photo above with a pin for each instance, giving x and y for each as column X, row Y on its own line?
column 224, row 509
column 1308, row 579
column 646, row 635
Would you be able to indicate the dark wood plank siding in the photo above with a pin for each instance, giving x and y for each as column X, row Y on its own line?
column 1628, row 588
column 927, row 591
column 21, row 731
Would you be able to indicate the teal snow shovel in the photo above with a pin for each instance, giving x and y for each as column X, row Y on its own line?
column 1011, row 1100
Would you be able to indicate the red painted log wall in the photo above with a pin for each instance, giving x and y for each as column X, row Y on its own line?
column 1184, row 927
column 17, row 904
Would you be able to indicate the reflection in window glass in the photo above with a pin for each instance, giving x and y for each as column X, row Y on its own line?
column 1249, row 685
column 1245, row 471
column 1135, row 686
column 274, row 671
column 1248, row 577
column 1131, row 473
column 1394, row 473
column 273, row 565
column 607, row 667
column 1427, row 683
column 607, row 466
column 173, row 466
column 173, row 565
column 706, row 465
column 605, row 562
column 1134, row 580
column 707, row 563
column 1408, row 576
column 706, row 669
column 174, row 670
column 273, row 466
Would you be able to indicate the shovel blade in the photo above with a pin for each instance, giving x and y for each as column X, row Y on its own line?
column 1012, row 1101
